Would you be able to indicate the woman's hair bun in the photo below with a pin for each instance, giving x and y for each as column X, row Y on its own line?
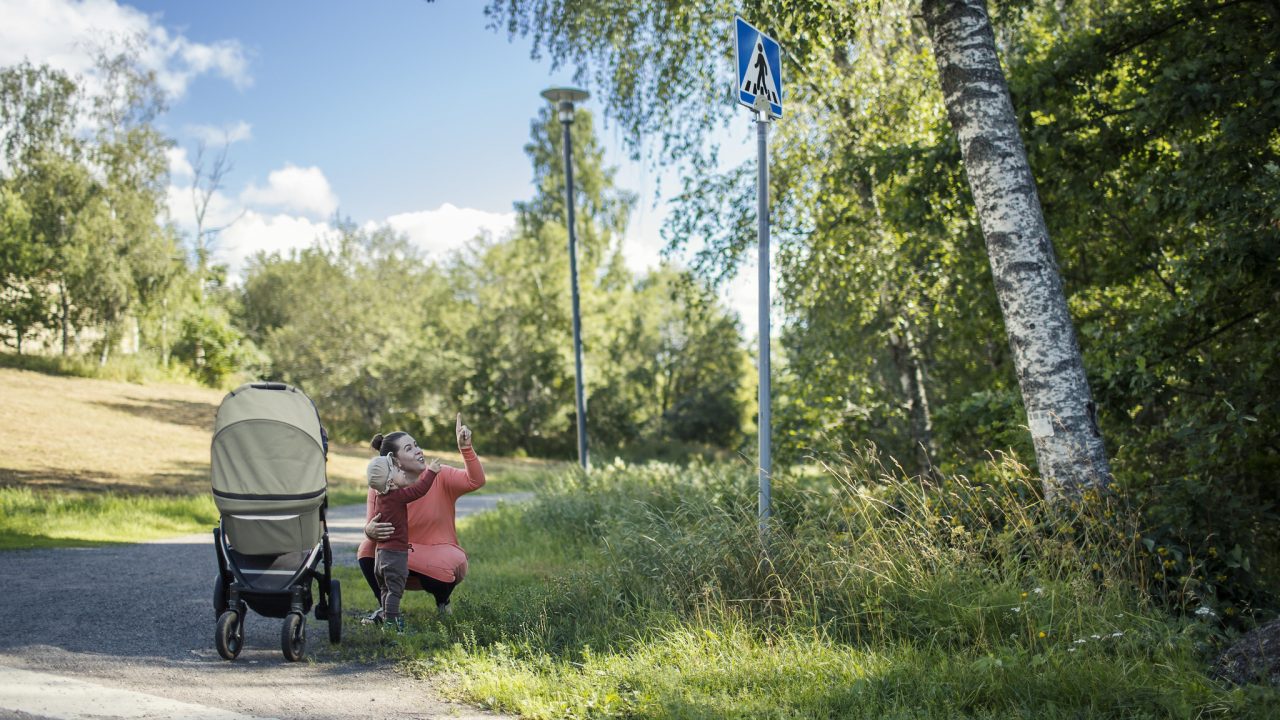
column 377, row 442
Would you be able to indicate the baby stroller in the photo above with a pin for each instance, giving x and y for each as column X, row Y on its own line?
column 268, row 467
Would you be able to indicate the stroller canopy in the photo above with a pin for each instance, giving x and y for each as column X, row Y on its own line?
column 268, row 451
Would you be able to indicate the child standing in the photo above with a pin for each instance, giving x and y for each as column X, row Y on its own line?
column 391, row 564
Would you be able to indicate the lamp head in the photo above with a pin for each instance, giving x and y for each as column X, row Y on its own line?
column 564, row 98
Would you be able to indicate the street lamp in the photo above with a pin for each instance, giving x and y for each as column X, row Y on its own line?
column 564, row 98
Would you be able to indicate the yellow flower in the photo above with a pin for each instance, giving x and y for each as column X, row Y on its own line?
column 1024, row 596
column 1043, row 634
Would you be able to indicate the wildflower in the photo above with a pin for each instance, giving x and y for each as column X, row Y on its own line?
column 1071, row 649
column 1038, row 591
column 1158, row 576
column 1229, row 611
column 1161, row 551
column 1023, row 596
column 1079, row 641
column 1096, row 637
column 1206, row 612
column 1043, row 634
column 1015, row 609
column 1118, row 633
column 1096, row 566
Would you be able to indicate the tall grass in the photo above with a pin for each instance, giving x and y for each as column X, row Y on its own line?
column 648, row 592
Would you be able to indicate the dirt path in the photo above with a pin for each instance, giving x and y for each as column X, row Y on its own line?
column 127, row 632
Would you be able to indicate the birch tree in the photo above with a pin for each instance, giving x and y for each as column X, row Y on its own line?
column 1061, row 413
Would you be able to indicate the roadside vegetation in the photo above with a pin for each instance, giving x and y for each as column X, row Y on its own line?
column 645, row 591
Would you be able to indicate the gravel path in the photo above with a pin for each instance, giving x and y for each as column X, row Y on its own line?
column 129, row 628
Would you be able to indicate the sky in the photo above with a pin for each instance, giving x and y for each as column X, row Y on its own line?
column 397, row 112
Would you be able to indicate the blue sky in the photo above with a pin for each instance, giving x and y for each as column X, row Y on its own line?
column 398, row 112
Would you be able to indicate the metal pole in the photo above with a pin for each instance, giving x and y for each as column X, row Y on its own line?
column 762, row 213
column 566, row 119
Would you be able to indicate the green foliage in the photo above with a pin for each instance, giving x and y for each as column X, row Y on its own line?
column 81, row 243
column 212, row 349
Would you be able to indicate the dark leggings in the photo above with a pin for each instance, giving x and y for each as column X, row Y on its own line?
column 440, row 589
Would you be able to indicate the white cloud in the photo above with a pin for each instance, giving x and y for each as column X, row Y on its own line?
column 222, row 210
column 63, row 34
column 179, row 165
column 215, row 136
column 255, row 232
column 304, row 190
column 449, row 227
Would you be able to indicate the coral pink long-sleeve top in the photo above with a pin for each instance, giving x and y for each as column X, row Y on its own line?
column 432, row 534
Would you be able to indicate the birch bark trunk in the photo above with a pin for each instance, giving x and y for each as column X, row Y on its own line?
column 1060, row 412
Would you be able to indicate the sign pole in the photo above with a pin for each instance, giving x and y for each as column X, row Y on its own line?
column 759, row 87
column 762, row 212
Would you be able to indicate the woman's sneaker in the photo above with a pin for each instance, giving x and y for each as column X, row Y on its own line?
column 445, row 609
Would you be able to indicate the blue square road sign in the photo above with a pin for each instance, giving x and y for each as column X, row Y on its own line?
column 759, row 69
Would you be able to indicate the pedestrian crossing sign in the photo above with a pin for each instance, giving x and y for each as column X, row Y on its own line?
column 759, row 69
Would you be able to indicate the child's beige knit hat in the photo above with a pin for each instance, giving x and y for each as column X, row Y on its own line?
column 379, row 473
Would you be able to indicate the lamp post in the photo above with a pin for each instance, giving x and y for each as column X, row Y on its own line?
column 564, row 98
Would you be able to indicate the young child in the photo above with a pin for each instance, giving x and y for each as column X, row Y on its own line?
column 391, row 564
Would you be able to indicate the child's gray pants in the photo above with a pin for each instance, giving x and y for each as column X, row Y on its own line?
column 391, row 568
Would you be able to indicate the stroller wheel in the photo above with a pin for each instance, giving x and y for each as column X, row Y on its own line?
column 229, row 637
column 335, row 612
column 293, row 636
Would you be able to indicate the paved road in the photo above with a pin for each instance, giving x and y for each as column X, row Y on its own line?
column 126, row 631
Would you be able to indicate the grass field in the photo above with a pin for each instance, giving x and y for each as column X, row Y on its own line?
column 86, row 461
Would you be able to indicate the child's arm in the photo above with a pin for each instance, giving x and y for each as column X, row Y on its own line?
column 420, row 488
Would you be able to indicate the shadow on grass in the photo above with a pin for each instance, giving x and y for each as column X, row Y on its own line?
column 10, row 540
column 173, row 412
column 190, row 478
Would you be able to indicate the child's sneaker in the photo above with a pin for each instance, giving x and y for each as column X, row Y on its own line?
column 445, row 610
column 395, row 624
column 373, row 618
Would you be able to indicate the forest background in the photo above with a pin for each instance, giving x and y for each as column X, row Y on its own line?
column 1153, row 130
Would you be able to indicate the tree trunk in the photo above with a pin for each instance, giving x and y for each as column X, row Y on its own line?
column 106, row 346
column 64, row 304
column 907, row 361
column 164, row 332
column 1060, row 411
